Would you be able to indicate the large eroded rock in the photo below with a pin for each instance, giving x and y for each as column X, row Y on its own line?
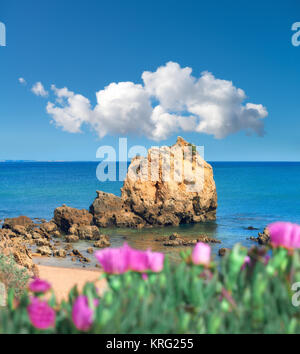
column 161, row 189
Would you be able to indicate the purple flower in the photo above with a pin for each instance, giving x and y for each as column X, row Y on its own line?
column 82, row 314
column 39, row 286
column 201, row 254
column 41, row 315
column 284, row 234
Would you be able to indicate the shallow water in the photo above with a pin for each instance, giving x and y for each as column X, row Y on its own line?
column 249, row 194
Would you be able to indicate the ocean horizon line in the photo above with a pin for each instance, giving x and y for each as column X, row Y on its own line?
column 89, row 161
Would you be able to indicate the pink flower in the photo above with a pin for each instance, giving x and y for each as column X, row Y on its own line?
column 201, row 254
column 125, row 258
column 41, row 315
column 82, row 314
column 141, row 261
column 284, row 234
column 39, row 286
column 247, row 261
column 266, row 259
column 137, row 260
column 145, row 276
column 114, row 260
column 155, row 261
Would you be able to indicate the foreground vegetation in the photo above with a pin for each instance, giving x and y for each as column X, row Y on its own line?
column 248, row 292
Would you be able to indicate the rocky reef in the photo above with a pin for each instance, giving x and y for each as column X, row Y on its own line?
column 22, row 238
column 178, row 240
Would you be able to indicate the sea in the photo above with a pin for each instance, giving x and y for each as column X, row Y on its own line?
column 250, row 194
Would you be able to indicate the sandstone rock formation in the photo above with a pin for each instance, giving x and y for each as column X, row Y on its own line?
column 45, row 251
column 60, row 253
column 161, row 189
column 66, row 217
column 110, row 210
column 102, row 242
column 21, row 235
column 19, row 221
column 72, row 238
column 16, row 247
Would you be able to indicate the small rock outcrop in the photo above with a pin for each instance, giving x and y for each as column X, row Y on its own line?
column 110, row 210
column 186, row 193
column 223, row 251
column 178, row 240
column 22, row 220
column 44, row 251
column 263, row 237
column 72, row 238
column 86, row 232
column 65, row 217
column 102, row 242
column 60, row 253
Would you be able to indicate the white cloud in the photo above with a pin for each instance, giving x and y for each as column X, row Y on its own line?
column 38, row 89
column 122, row 108
column 22, row 81
column 170, row 100
column 74, row 111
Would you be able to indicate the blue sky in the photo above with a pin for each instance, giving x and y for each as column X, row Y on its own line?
column 86, row 45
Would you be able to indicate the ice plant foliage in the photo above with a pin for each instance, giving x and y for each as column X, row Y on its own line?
column 41, row 315
column 125, row 258
column 201, row 254
column 163, row 297
column 82, row 314
column 285, row 234
column 39, row 286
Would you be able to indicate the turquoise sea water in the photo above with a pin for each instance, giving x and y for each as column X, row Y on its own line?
column 249, row 194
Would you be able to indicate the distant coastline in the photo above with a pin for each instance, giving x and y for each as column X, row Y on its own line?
column 98, row 160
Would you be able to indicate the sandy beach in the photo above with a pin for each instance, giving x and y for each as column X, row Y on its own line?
column 63, row 279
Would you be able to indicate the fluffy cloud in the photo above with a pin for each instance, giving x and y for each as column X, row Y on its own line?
column 22, row 80
column 38, row 89
column 72, row 112
column 170, row 100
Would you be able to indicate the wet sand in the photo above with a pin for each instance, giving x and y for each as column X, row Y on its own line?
column 63, row 279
